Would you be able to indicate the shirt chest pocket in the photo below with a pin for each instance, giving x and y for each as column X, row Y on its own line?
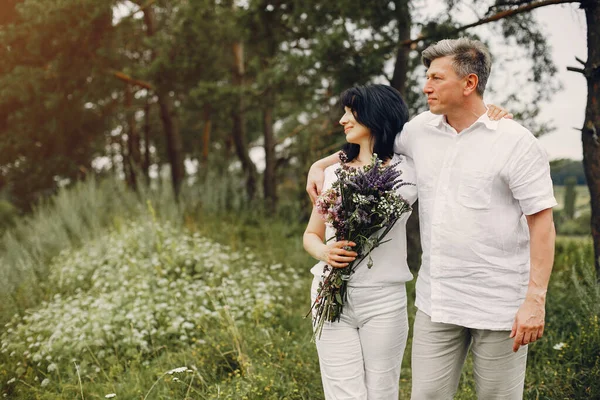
column 475, row 191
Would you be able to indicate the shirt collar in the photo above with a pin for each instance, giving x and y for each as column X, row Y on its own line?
column 485, row 120
column 437, row 121
column 440, row 120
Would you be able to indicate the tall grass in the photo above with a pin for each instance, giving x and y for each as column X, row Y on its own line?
column 257, row 354
column 85, row 210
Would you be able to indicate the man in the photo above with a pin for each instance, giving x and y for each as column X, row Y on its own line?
column 485, row 199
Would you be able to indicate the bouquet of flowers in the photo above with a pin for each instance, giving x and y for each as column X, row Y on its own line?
column 362, row 206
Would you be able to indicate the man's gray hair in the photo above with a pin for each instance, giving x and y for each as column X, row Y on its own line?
column 470, row 57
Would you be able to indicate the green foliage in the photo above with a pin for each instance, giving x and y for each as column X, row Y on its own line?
column 566, row 363
column 563, row 168
column 137, row 290
column 126, row 294
column 570, row 197
column 8, row 213
column 49, row 129
column 62, row 105
column 580, row 224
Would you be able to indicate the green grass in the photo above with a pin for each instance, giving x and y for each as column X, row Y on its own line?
column 223, row 295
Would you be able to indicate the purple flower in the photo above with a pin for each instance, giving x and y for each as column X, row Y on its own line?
column 362, row 206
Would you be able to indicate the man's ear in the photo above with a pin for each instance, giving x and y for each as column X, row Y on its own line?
column 471, row 82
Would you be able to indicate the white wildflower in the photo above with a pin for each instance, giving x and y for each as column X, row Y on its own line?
column 177, row 370
column 559, row 346
column 52, row 367
column 45, row 382
column 110, row 395
column 13, row 380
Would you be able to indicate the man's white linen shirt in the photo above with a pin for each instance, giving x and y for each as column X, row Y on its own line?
column 475, row 188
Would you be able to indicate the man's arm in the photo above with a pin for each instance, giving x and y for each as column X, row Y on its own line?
column 314, row 181
column 529, row 321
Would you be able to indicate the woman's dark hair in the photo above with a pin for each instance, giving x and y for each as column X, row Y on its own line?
column 381, row 109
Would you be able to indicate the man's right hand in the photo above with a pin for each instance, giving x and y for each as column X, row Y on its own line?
column 314, row 181
column 316, row 175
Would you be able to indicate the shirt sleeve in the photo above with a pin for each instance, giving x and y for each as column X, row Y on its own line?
column 529, row 176
column 400, row 142
column 409, row 191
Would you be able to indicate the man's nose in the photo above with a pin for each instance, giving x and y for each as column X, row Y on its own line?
column 427, row 88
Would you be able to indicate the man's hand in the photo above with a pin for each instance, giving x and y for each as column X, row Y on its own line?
column 314, row 181
column 316, row 175
column 529, row 322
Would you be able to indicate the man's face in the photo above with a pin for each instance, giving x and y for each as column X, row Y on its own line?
column 444, row 89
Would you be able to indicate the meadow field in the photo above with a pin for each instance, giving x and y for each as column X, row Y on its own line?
column 108, row 294
column 582, row 202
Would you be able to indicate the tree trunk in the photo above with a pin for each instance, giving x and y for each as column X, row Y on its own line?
column 167, row 116
column 401, row 66
column 399, row 82
column 590, row 134
column 239, row 122
column 146, row 163
column 206, row 133
column 125, row 159
column 133, row 140
column 174, row 142
column 269, row 181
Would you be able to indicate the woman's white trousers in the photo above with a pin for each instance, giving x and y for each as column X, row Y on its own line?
column 360, row 356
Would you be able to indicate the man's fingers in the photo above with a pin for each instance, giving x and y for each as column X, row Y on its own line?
column 516, row 346
column 527, row 338
column 541, row 332
column 518, row 341
column 513, row 331
column 312, row 192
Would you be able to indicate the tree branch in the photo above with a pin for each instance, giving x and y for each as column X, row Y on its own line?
column 580, row 61
column 501, row 15
column 131, row 81
column 575, row 69
column 141, row 7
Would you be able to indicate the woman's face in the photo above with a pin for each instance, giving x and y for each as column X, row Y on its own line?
column 355, row 132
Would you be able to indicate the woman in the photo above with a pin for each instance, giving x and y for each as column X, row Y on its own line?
column 360, row 356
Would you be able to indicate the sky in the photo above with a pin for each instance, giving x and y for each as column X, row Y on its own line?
column 566, row 28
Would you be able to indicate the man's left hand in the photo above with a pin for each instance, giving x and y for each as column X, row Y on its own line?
column 529, row 322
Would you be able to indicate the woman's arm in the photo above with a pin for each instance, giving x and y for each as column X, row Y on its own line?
column 333, row 253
